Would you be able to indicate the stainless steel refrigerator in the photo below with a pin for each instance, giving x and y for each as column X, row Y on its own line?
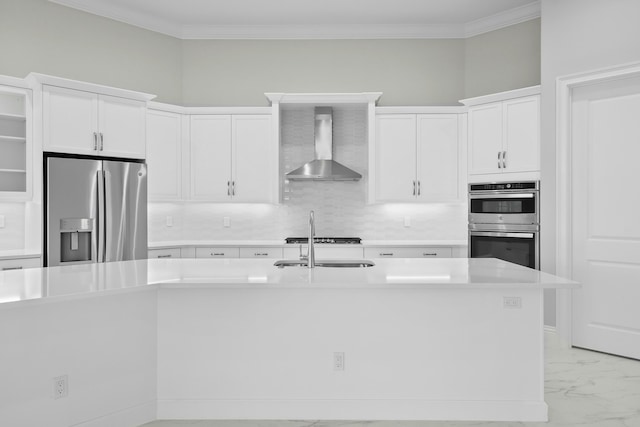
column 95, row 210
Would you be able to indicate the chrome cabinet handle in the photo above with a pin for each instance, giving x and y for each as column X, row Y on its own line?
column 418, row 188
column 414, row 188
column 12, row 268
column 101, row 142
column 499, row 164
column 217, row 254
column 429, row 254
column 260, row 254
column 228, row 188
column 504, row 160
column 165, row 256
column 386, row 253
column 95, row 141
column 233, row 188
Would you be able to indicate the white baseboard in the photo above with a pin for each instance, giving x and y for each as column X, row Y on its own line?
column 130, row 417
column 355, row 409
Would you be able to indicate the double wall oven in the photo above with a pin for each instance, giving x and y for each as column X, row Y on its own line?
column 504, row 222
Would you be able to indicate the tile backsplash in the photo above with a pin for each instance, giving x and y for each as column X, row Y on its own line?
column 340, row 206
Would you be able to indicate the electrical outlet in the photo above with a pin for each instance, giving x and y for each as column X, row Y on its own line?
column 60, row 386
column 512, row 302
column 1, row 221
column 226, row 221
column 407, row 221
column 338, row 361
column 169, row 221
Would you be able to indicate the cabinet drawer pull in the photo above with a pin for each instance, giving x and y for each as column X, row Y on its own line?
column 418, row 188
column 261, row 254
column 414, row 188
column 95, row 141
column 429, row 254
column 165, row 256
column 499, row 164
column 228, row 188
column 386, row 253
column 217, row 254
column 504, row 160
column 19, row 267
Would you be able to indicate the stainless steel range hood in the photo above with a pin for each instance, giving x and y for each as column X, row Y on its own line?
column 323, row 167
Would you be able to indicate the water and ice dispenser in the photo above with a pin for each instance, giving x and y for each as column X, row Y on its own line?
column 75, row 239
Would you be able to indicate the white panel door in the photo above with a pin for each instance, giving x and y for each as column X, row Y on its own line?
column 211, row 158
column 521, row 134
column 70, row 120
column 485, row 138
column 164, row 155
column 254, row 167
column 395, row 173
column 438, row 157
column 122, row 127
column 606, row 227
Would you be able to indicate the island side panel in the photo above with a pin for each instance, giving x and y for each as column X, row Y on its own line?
column 105, row 345
column 252, row 353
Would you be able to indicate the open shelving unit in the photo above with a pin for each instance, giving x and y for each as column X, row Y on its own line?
column 14, row 139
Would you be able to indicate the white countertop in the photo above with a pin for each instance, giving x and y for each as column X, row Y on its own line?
column 54, row 283
column 254, row 243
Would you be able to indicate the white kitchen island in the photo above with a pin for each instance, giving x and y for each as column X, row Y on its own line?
column 240, row 339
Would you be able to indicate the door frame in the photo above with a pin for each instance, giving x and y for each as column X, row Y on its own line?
column 564, row 155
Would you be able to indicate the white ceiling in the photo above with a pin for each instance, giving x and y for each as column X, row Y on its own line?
column 314, row 19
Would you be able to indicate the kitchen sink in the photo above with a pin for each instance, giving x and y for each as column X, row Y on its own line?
column 325, row 263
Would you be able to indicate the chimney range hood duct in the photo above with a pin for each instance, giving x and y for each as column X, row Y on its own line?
column 323, row 167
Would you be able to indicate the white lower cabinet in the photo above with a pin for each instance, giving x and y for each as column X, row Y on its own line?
column 407, row 252
column 19, row 263
column 218, row 252
column 165, row 253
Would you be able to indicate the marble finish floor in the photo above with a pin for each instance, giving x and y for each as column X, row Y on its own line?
column 582, row 388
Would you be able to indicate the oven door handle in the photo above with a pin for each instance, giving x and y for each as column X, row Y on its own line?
column 502, row 196
column 497, row 234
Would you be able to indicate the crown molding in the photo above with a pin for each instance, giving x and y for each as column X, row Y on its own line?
column 503, row 19
column 310, row 32
column 323, row 98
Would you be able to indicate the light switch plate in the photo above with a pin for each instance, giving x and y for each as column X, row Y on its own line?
column 169, row 221
column 226, row 221
column 407, row 221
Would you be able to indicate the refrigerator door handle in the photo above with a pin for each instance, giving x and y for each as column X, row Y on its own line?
column 101, row 216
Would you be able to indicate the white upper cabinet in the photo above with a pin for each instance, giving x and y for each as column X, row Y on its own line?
column 15, row 142
column 395, row 157
column 164, row 155
column 232, row 158
column 211, row 158
column 417, row 158
column 504, row 136
column 252, row 167
column 81, row 122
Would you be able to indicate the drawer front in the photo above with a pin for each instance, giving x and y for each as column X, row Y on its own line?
column 164, row 253
column 405, row 252
column 19, row 263
column 261, row 253
column 217, row 253
column 325, row 252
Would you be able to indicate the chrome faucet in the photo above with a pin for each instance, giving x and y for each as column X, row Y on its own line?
column 311, row 253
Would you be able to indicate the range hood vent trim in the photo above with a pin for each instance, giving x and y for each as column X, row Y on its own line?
column 323, row 167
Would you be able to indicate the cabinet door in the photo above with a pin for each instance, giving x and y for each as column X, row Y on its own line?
column 254, row 166
column 522, row 134
column 438, row 157
column 211, row 157
column 485, row 138
column 15, row 143
column 70, row 120
column 395, row 173
column 164, row 155
column 122, row 127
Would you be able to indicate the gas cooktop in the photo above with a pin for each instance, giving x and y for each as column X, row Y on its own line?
column 330, row 240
